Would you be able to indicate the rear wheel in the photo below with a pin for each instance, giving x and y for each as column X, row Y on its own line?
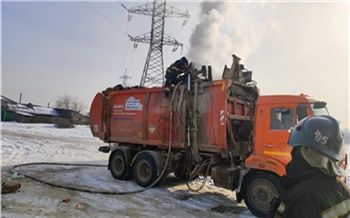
column 258, row 191
column 145, row 170
column 119, row 167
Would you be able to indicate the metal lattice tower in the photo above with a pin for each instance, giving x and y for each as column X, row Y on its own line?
column 125, row 78
column 153, row 71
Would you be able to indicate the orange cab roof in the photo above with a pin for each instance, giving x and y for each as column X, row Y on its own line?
column 265, row 99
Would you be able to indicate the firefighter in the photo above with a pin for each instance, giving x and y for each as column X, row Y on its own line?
column 312, row 188
column 174, row 75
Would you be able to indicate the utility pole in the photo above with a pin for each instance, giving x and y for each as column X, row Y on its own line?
column 153, row 71
column 125, row 78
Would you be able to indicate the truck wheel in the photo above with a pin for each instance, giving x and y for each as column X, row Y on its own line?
column 118, row 165
column 145, row 170
column 258, row 191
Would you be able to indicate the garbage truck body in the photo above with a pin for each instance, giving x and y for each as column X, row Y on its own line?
column 223, row 129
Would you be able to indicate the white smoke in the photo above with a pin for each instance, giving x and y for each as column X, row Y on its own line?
column 228, row 28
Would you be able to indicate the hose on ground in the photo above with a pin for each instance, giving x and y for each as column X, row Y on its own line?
column 12, row 170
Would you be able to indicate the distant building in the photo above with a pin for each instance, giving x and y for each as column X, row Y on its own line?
column 29, row 113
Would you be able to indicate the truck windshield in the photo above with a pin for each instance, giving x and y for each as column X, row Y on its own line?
column 319, row 108
column 319, row 111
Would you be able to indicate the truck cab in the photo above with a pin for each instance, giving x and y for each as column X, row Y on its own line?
column 275, row 115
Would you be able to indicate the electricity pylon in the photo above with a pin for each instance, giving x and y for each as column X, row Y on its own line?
column 153, row 71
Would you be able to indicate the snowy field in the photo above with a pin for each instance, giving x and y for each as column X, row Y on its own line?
column 28, row 143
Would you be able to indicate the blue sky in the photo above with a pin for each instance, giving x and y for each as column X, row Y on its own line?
column 50, row 49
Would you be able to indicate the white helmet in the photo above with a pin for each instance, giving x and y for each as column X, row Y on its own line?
column 318, row 132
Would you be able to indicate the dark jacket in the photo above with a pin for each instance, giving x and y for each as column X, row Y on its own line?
column 314, row 194
column 173, row 74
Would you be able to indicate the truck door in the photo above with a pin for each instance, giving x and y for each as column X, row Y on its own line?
column 279, row 121
column 270, row 154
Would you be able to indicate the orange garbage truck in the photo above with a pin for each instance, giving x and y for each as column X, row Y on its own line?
column 219, row 128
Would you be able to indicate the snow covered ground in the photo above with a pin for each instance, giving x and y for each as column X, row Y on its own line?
column 28, row 143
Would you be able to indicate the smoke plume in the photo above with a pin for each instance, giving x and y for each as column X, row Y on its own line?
column 227, row 28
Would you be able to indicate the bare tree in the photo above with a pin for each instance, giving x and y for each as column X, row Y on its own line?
column 70, row 103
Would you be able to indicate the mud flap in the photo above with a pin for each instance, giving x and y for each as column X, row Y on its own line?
column 239, row 196
column 239, row 193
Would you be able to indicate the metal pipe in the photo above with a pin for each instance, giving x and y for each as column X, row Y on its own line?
column 196, row 155
column 189, row 126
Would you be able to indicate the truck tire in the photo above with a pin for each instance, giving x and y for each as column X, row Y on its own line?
column 145, row 170
column 118, row 166
column 258, row 190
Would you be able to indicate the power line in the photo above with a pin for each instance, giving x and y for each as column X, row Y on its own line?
column 153, row 72
column 107, row 18
column 114, row 24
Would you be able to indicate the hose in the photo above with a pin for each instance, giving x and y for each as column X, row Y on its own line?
column 170, row 139
column 12, row 170
column 206, row 162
